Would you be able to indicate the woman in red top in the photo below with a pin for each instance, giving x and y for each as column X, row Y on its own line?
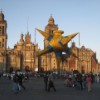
column 89, row 83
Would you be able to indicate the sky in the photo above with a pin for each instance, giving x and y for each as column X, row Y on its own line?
column 72, row 16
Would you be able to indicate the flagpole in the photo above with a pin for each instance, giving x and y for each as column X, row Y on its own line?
column 35, row 37
column 79, row 39
column 79, row 55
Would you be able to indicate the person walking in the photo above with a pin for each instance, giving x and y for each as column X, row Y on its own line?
column 15, row 88
column 20, row 82
column 46, row 81
column 51, row 83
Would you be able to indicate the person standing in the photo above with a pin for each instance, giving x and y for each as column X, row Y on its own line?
column 89, row 83
column 79, row 80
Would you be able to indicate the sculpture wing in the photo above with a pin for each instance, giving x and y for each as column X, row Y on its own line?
column 66, row 39
column 44, row 34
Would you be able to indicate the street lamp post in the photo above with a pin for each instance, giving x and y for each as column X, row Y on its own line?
column 46, row 62
column 5, row 68
column 91, row 64
column 80, row 61
column 68, row 64
column 31, row 61
column 87, row 66
column 50, row 61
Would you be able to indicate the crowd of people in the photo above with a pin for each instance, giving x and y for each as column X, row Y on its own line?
column 81, row 81
column 78, row 81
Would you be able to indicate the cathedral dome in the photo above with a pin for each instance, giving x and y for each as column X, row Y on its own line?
column 51, row 20
column 1, row 16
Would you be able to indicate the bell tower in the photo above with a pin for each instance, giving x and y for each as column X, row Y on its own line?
column 3, row 42
column 3, row 33
column 28, row 38
column 50, row 27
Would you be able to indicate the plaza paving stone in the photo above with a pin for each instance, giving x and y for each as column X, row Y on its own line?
column 35, row 91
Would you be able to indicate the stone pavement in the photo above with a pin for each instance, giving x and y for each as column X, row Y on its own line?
column 35, row 91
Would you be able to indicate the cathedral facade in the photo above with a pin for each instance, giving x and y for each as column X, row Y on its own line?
column 23, row 56
column 86, row 63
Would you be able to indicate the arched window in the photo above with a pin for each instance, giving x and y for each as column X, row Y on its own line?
column 0, row 30
column 2, row 40
column 0, row 44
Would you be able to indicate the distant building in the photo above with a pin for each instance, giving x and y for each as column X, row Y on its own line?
column 24, row 54
column 86, row 63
